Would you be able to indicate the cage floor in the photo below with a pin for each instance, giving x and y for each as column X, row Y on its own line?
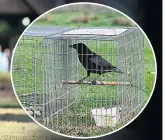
column 77, row 120
column 81, row 124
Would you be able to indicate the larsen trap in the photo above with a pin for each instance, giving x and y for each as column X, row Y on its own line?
column 73, row 90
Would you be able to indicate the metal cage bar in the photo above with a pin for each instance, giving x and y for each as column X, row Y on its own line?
column 45, row 71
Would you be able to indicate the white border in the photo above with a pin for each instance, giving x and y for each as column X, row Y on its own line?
column 104, row 7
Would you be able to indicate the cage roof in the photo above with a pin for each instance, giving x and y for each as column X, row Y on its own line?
column 45, row 30
column 96, row 31
column 84, row 33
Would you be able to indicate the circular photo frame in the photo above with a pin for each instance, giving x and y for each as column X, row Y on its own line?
column 83, row 70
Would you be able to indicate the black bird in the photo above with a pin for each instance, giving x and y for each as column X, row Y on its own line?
column 92, row 62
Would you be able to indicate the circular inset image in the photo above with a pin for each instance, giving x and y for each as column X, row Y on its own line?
column 83, row 70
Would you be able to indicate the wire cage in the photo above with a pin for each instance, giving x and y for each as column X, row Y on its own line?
column 46, row 72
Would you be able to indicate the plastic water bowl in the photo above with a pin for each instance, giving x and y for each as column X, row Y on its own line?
column 106, row 117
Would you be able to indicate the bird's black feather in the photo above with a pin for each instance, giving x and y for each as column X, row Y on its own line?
column 93, row 62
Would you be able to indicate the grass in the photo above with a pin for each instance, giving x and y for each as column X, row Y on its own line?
column 23, row 74
column 4, row 80
column 65, row 19
column 16, row 125
column 15, row 111
column 7, row 98
column 9, row 103
column 4, row 76
column 149, row 66
column 26, row 131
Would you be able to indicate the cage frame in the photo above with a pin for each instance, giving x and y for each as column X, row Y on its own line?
column 60, row 36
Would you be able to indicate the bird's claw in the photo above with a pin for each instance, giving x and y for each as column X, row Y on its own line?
column 94, row 82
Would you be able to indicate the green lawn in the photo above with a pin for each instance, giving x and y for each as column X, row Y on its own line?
column 26, row 131
column 23, row 74
column 9, row 102
column 149, row 69
column 7, row 98
column 66, row 19
column 15, row 124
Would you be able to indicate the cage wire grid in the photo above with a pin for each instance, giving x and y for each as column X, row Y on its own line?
column 45, row 72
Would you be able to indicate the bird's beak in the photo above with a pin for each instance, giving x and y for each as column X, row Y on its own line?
column 72, row 46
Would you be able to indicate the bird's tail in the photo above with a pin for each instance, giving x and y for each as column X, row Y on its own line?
column 115, row 69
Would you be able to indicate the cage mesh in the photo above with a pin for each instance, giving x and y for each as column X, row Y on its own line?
column 45, row 72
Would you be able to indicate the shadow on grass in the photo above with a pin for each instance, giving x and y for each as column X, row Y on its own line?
column 14, row 117
column 10, row 106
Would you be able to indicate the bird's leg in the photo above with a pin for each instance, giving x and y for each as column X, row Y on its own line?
column 80, row 81
column 94, row 81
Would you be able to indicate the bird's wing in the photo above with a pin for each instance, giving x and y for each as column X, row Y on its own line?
column 101, row 62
